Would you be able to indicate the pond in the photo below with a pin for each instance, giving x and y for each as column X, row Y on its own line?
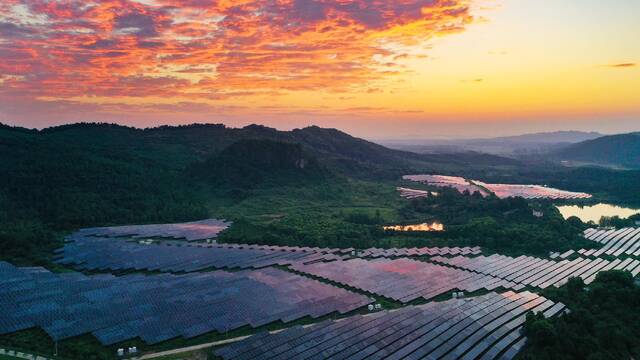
column 434, row 226
column 595, row 212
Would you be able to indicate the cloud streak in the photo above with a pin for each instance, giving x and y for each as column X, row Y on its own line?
column 622, row 65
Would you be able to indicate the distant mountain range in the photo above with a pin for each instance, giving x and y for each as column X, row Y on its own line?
column 621, row 150
column 518, row 145
column 545, row 137
column 574, row 148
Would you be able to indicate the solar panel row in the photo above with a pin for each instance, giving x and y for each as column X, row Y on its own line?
column 97, row 253
column 414, row 193
column 424, row 251
column 500, row 190
column 484, row 327
column 536, row 272
column 89, row 252
column 615, row 242
column 160, row 307
column 458, row 183
column 531, row 191
column 191, row 231
column 401, row 279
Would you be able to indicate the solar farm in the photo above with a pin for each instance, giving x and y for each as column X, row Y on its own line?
column 538, row 272
column 455, row 182
column 413, row 252
column 414, row 193
column 625, row 241
column 190, row 231
column 402, row 280
column 451, row 302
column 161, row 307
column 500, row 190
column 118, row 254
column 485, row 327
column 531, row 191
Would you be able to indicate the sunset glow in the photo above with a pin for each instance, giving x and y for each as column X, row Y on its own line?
column 426, row 68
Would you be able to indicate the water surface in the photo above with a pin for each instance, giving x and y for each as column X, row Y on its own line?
column 434, row 226
column 595, row 212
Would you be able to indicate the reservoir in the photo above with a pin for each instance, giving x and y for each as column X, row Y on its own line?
column 595, row 212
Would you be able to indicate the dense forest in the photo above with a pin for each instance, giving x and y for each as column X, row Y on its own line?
column 494, row 223
column 604, row 321
column 620, row 149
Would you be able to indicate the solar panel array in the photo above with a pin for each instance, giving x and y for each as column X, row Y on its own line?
column 537, row 272
column 486, row 327
column 458, row 183
column 402, row 279
column 414, row 194
column 191, row 231
column 531, row 191
column 89, row 252
column 97, row 253
column 410, row 252
column 160, row 307
column 500, row 190
column 616, row 242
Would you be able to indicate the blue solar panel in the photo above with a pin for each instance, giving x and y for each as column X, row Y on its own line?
column 110, row 254
column 439, row 330
column 125, row 248
column 190, row 231
column 115, row 309
column 401, row 279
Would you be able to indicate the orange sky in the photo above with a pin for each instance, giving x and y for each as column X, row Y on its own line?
column 379, row 69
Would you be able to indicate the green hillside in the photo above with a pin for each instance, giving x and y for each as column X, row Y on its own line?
column 621, row 150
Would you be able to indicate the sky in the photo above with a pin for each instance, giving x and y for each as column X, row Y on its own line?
column 374, row 68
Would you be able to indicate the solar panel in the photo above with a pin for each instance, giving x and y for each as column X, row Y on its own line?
column 535, row 272
column 115, row 309
column 403, row 280
column 103, row 253
column 448, row 329
column 96, row 249
column 190, row 231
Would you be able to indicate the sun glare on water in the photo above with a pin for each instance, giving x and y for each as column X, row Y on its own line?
column 435, row 226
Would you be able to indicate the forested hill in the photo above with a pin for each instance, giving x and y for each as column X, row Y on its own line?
column 179, row 146
column 61, row 178
column 622, row 150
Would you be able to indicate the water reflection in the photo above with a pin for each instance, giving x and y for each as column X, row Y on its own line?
column 595, row 212
column 434, row 226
